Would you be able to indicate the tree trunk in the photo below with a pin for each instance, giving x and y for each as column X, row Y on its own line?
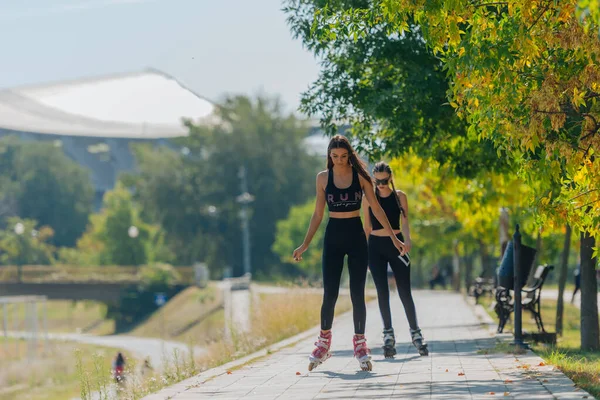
column 468, row 270
column 456, row 267
column 486, row 270
column 503, row 227
column 562, row 280
column 590, row 331
column 538, row 250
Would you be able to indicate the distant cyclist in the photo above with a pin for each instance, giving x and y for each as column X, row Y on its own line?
column 119, row 368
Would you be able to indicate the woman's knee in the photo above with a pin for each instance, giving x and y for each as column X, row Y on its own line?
column 330, row 296
column 357, row 295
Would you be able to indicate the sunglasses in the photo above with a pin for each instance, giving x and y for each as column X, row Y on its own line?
column 379, row 182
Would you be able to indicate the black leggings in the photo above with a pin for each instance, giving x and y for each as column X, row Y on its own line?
column 382, row 252
column 344, row 237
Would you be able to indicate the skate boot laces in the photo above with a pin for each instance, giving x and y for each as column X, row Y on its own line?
column 360, row 346
column 322, row 344
column 416, row 335
column 388, row 336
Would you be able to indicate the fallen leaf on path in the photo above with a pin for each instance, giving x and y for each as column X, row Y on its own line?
column 542, row 364
column 228, row 372
column 506, row 394
column 492, row 393
column 298, row 373
column 545, row 380
column 461, row 373
column 508, row 381
column 446, row 370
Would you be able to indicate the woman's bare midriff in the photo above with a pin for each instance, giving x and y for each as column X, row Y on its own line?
column 382, row 233
column 343, row 215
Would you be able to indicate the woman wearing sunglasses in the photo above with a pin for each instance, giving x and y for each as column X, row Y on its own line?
column 382, row 252
column 341, row 187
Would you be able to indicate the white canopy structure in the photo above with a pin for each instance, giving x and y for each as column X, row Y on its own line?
column 140, row 105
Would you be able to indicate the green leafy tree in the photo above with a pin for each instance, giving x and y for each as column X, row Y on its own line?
column 109, row 241
column 391, row 89
column 40, row 182
column 523, row 74
column 291, row 231
column 192, row 194
column 26, row 245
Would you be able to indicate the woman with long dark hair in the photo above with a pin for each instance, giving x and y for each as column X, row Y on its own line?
column 341, row 187
column 381, row 253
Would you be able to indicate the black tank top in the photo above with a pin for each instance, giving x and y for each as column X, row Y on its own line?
column 343, row 200
column 391, row 209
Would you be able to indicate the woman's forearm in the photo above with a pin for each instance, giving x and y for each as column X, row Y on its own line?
column 405, row 230
column 315, row 221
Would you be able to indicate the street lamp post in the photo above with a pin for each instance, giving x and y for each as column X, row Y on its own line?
column 19, row 230
column 245, row 199
column 133, row 233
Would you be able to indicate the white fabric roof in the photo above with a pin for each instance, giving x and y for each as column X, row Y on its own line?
column 143, row 105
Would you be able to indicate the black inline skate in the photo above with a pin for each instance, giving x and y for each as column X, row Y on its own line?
column 389, row 343
column 419, row 342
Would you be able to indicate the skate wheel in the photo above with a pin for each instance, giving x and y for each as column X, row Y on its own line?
column 367, row 366
column 389, row 352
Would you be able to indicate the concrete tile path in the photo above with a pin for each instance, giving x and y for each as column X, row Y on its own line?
column 455, row 369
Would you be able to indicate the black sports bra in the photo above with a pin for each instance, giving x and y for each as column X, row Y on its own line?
column 392, row 210
column 343, row 200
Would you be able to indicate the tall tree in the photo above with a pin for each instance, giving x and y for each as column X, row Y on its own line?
column 27, row 246
column 117, row 235
column 291, row 231
column 562, row 280
column 193, row 194
column 45, row 185
column 522, row 74
column 392, row 90
column 590, row 331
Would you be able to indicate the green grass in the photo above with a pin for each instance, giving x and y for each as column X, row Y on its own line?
column 64, row 316
column 502, row 347
column 53, row 374
column 280, row 315
column 194, row 315
column 189, row 315
column 581, row 367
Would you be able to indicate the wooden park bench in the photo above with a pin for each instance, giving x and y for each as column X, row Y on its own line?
column 530, row 300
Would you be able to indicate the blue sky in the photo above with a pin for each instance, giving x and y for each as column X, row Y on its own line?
column 212, row 46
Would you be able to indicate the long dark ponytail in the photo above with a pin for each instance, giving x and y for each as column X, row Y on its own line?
column 341, row 142
column 382, row 166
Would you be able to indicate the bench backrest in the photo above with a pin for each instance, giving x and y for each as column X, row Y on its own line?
column 540, row 275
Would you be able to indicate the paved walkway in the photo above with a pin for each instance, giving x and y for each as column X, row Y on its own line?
column 156, row 350
column 454, row 370
column 553, row 295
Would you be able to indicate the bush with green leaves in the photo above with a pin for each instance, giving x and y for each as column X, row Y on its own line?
column 22, row 244
column 290, row 234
